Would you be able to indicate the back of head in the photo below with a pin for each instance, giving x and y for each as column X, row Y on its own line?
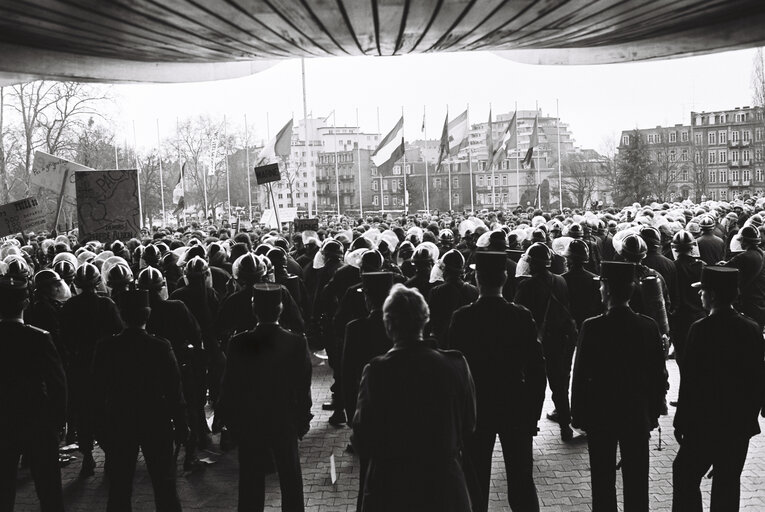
column 405, row 313
column 377, row 286
column 87, row 277
column 267, row 302
column 13, row 296
column 490, row 269
column 134, row 307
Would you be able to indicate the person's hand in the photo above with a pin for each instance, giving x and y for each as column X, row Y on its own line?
column 679, row 436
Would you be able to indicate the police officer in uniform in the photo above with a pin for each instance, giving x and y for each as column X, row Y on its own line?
column 138, row 403
column 751, row 267
column 711, row 246
column 508, row 368
column 266, row 402
column 423, row 263
column 721, row 395
column 584, row 295
column 399, row 409
column 85, row 319
column 32, row 399
column 688, row 307
column 449, row 296
column 618, row 391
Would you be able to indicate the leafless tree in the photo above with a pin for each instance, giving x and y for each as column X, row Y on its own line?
column 579, row 178
column 666, row 168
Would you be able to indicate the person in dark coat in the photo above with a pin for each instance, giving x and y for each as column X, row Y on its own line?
column 618, row 391
column 45, row 312
column 688, row 306
column 751, row 273
column 266, row 402
column 365, row 338
column 722, row 388
column 85, row 319
column 655, row 260
column 711, row 246
column 33, row 400
column 423, row 264
column 508, row 368
column 449, row 296
column 546, row 296
column 584, row 295
column 138, row 404
column 415, row 407
column 172, row 320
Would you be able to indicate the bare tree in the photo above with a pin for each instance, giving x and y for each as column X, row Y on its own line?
column 579, row 178
column 666, row 171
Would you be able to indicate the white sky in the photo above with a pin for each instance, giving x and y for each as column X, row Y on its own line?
column 596, row 101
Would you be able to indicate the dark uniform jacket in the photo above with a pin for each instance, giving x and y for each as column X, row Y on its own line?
column 31, row 379
column 172, row 320
column 421, row 282
column 443, row 301
column 203, row 302
column 666, row 268
column 751, row 283
column 534, row 293
column 365, row 338
column 136, row 387
column 45, row 314
column 723, row 378
column 505, row 360
column 85, row 319
column 584, row 294
column 266, row 388
column 688, row 272
column 619, row 374
column 711, row 249
column 415, row 406
column 236, row 315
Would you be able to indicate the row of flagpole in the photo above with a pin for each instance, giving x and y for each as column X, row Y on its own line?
column 445, row 150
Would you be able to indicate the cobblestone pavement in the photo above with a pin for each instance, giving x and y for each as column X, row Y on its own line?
column 561, row 473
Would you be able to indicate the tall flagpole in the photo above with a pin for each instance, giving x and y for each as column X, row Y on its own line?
column 560, row 183
column 427, row 179
column 449, row 160
column 470, row 159
column 311, row 175
column 491, row 161
column 180, row 165
column 116, row 160
column 406, row 204
column 382, row 194
column 337, row 171
column 161, row 179
column 138, row 176
column 517, row 160
column 247, row 163
column 358, row 158
column 539, row 171
column 228, row 181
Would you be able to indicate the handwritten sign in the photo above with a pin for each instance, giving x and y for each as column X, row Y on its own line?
column 22, row 216
column 306, row 225
column 267, row 173
column 107, row 205
column 48, row 172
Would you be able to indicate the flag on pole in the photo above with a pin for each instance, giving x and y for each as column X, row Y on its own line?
column 422, row 130
column 490, row 139
column 443, row 148
column 509, row 141
column 178, row 190
column 278, row 146
column 458, row 131
column 533, row 141
column 390, row 149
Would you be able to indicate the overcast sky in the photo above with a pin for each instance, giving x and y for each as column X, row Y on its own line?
column 596, row 101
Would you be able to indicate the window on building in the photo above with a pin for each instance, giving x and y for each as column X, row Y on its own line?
column 394, row 185
column 734, row 136
column 723, row 157
column 504, row 180
column 734, row 156
column 697, row 157
column 758, row 134
column 375, row 200
column 723, row 194
column 479, row 181
column 724, row 175
column 395, row 201
column 712, row 157
column 437, row 183
column 397, row 170
column 758, row 155
column 651, row 138
column 712, row 177
column 673, row 136
column 626, row 140
column 712, row 137
column 456, row 182
column 698, row 138
column 684, row 175
column 738, row 118
column 672, row 156
column 684, row 155
column 305, row 194
column 723, row 137
column 385, row 185
column 683, row 136
column 746, row 175
column 280, row 196
column 746, row 135
column 386, row 200
column 373, row 171
column 456, row 198
column 758, row 174
column 408, row 169
column 374, row 185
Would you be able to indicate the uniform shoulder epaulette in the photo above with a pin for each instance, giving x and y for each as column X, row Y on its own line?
column 37, row 329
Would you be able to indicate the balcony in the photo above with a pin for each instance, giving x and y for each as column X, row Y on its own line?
column 734, row 163
column 746, row 183
column 735, row 183
column 733, row 143
column 745, row 143
column 746, row 163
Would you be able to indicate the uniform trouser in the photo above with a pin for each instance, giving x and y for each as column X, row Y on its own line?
column 519, row 465
column 694, row 458
column 121, row 456
column 193, row 392
column 80, row 402
column 634, row 452
column 40, row 446
column 254, row 463
column 681, row 324
column 558, row 370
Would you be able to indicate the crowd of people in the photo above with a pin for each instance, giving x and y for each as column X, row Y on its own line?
column 443, row 332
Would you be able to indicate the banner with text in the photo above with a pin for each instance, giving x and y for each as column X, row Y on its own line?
column 22, row 216
column 48, row 172
column 107, row 205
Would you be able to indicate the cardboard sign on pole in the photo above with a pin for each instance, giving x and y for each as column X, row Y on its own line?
column 22, row 216
column 267, row 173
column 48, row 172
column 107, row 205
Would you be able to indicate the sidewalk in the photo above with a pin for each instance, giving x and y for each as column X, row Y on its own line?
column 561, row 475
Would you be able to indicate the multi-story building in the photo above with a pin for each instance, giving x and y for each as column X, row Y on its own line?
column 718, row 156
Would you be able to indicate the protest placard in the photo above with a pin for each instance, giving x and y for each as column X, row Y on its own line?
column 107, row 205
column 48, row 172
column 306, row 225
column 267, row 173
column 22, row 216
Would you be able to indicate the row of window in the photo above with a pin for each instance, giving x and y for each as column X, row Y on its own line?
column 740, row 117
column 721, row 176
column 736, row 156
column 713, row 137
column 289, row 195
column 329, row 158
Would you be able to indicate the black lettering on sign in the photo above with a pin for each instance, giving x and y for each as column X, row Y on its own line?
column 267, row 173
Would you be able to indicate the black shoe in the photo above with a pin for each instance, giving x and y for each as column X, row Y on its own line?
column 88, row 467
column 566, row 434
column 553, row 416
column 337, row 419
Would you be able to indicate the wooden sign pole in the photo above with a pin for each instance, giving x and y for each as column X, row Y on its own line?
column 60, row 202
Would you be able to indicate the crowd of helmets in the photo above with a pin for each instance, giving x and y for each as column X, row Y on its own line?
column 63, row 265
